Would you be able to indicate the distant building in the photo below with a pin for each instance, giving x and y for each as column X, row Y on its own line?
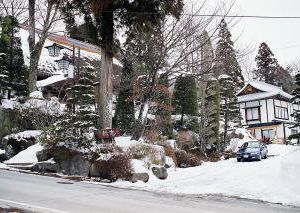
column 266, row 111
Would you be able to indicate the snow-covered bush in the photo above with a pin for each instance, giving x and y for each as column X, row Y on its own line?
column 150, row 154
column 185, row 160
column 241, row 136
column 41, row 112
column 112, row 163
column 15, row 143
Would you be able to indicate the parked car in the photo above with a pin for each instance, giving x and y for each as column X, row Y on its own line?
column 252, row 150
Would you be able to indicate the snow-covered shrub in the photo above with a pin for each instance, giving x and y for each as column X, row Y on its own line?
column 150, row 154
column 15, row 143
column 241, row 136
column 185, row 160
column 112, row 163
column 42, row 113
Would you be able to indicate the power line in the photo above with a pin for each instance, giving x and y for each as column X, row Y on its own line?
column 190, row 14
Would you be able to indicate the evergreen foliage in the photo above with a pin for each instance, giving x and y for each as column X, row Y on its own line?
column 211, row 117
column 225, row 56
column 185, row 96
column 99, row 22
column 285, row 79
column 229, row 111
column 296, row 100
column 75, row 129
column 4, row 82
column 124, row 115
column 163, row 107
column 266, row 64
column 12, row 47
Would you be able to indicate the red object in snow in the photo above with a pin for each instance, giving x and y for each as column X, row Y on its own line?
column 107, row 133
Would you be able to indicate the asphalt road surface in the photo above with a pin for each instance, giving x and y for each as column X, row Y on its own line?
column 54, row 195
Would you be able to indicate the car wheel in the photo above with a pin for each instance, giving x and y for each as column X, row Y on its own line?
column 238, row 159
column 259, row 158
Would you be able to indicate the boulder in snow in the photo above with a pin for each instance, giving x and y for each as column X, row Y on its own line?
column 139, row 177
column 71, row 162
column 15, row 143
column 160, row 172
column 45, row 166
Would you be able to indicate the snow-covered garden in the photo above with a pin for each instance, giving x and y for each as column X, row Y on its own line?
column 275, row 179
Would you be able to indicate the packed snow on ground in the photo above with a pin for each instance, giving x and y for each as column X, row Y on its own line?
column 275, row 179
column 3, row 166
column 26, row 156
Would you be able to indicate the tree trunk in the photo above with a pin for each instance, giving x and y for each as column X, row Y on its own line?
column 140, row 123
column 106, row 91
column 33, row 64
column 225, row 126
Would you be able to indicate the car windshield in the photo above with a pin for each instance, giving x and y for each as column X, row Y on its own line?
column 253, row 145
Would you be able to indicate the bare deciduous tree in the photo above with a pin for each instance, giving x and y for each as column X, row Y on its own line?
column 43, row 14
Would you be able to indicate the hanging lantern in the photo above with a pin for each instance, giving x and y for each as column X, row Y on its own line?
column 63, row 63
column 54, row 49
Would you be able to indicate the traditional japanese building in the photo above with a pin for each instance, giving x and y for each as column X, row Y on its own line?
column 266, row 111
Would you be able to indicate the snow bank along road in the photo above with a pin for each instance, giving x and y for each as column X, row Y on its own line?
column 47, row 194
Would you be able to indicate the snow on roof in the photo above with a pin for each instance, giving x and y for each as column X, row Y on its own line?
column 51, row 80
column 268, row 90
column 47, row 63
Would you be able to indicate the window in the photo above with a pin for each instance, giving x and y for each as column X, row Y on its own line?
column 268, row 135
column 253, row 114
column 281, row 112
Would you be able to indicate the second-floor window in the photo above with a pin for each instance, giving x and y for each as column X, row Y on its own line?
column 253, row 114
column 281, row 112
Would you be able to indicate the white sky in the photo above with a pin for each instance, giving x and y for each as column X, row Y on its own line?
column 281, row 35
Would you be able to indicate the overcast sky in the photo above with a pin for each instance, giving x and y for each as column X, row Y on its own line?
column 282, row 35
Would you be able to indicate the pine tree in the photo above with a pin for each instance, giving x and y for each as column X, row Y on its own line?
column 185, row 96
column 296, row 100
column 208, row 96
column 225, row 56
column 266, row 64
column 229, row 111
column 75, row 129
column 4, row 82
column 124, row 115
column 12, row 47
column 104, row 16
column 211, row 117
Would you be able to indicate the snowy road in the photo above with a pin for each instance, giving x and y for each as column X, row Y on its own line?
column 47, row 194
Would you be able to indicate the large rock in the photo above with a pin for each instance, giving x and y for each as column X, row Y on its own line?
column 71, row 162
column 94, row 170
column 160, row 172
column 43, row 155
column 45, row 167
column 140, row 176
column 17, row 142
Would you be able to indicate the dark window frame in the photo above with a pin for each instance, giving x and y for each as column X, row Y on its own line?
column 286, row 112
column 251, row 108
